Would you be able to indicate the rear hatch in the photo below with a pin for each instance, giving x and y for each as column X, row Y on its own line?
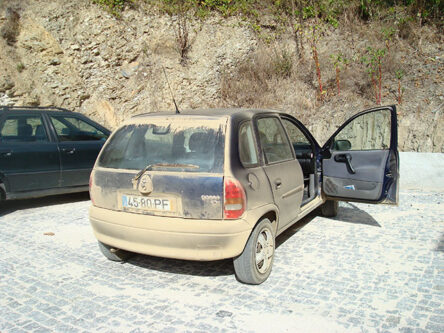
column 164, row 166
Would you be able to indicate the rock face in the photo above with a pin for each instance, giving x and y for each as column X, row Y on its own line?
column 77, row 56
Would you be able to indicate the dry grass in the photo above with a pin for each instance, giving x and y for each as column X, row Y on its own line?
column 254, row 79
column 271, row 78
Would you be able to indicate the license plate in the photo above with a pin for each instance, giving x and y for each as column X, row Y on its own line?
column 147, row 203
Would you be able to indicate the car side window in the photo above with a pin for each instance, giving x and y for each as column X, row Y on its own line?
column 23, row 128
column 370, row 131
column 247, row 146
column 297, row 138
column 75, row 129
column 273, row 140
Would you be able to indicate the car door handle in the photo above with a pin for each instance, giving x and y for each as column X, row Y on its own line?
column 6, row 154
column 278, row 183
column 346, row 158
column 69, row 151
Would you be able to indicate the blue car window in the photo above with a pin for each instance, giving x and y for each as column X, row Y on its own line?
column 23, row 128
column 75, row 129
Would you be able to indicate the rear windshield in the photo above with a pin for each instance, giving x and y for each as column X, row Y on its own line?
column 167, row 146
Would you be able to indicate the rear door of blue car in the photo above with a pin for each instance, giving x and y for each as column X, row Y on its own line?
column 29, row 156
column 79, row 142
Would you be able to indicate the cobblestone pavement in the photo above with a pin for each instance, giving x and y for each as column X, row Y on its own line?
column 371, row 269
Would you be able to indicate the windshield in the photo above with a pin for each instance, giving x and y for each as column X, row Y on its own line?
column 173, row 146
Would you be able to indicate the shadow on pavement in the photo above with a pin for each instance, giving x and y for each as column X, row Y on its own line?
column 440, row 246
column 10, row 206
column 352, row 214
column 206, row 268
column 184, row 267
column 348, row 213
column 282, row 238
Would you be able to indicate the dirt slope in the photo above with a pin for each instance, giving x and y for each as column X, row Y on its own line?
column 75, row 55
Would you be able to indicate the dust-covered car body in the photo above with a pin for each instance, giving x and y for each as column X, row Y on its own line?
column 216, row 184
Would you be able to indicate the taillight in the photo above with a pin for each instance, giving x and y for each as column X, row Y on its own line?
column 234, row 199
column 90, row 186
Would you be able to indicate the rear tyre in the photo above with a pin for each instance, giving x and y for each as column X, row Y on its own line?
column 112, row 253
column 330, row 208
column 254, row 265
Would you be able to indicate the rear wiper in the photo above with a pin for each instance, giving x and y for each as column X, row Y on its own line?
column 163, row 165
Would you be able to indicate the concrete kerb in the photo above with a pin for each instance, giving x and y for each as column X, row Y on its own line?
column 422, row 171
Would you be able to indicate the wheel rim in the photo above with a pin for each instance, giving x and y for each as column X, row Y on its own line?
column 264, row 250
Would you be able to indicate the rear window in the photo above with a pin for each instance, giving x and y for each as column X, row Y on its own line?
column 167, row 146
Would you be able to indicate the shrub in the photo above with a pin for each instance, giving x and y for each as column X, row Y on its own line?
column 10, row 28
column 282, row 62
column 113, row 6
column 20, row 67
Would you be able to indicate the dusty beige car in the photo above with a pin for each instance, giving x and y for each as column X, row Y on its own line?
column 216, row 184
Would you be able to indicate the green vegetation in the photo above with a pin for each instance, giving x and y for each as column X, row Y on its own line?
column 113, row 6
column 338, row 60
column 282, row 62
column 326, row 10
column 307, row 21
column 373, row 61
column 20, row 67
column 316, row 33
column 329, row 11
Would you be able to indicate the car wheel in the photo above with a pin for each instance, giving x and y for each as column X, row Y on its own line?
column 253, row 266
column 330, row 208
column 113, row 253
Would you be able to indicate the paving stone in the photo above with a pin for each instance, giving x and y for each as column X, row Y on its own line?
column 370, row 269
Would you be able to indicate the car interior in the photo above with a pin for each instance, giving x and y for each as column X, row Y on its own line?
column 304, row 149
column 305, row 156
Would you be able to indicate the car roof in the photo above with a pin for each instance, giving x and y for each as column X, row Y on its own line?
column 46, row 109
column 234, row 113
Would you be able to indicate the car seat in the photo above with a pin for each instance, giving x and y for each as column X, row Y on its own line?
column 40, row 133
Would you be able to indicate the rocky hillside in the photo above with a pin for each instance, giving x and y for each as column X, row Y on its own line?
column 78, row 56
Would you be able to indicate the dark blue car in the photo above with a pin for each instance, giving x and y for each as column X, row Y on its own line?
column 46, row 151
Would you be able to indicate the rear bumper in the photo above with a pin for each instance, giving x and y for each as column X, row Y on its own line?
column 170, row 237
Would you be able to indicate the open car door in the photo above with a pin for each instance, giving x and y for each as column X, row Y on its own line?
column 360, row 162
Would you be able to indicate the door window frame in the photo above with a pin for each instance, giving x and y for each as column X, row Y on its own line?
column 261, row 151
column 86, row 120
column 393, row 128
column 313, row 143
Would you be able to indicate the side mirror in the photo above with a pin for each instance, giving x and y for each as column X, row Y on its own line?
column 342, row 145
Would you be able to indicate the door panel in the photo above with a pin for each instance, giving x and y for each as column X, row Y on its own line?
column 366, row 182
column 361, row 159
column 79, row 144
column 28, row 160
column 287, row 183
column 31, row 167
column 282, row 169
column 77, row 161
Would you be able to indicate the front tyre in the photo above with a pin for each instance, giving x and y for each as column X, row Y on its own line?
column 112, row 253
column 254, row 264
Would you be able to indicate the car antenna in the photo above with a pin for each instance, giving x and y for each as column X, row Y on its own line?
column 172, row 96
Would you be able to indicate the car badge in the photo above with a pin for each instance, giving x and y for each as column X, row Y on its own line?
column 145, row 185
